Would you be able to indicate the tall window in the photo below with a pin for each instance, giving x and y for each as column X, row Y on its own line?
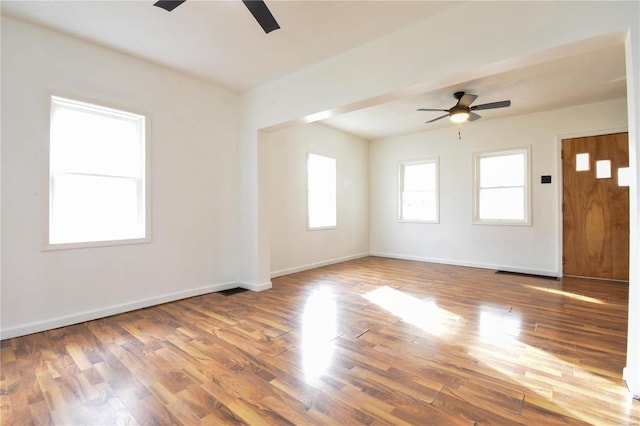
column 97, row 175
column 502, row 187
column 321, row 191
column 419, row 191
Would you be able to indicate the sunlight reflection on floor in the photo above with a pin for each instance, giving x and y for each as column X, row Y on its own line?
column 426, row 315
column 319, row 327
column 567, row 294
column 543, row 369
column 499, row 326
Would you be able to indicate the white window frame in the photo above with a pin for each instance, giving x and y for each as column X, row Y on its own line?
column 477, row 156
column 143, row 181
column 401, row 166
column 320, row 228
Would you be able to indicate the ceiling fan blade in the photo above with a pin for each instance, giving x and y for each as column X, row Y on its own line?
column 168, row 5
column 467, row 99
column 473, row 116
column 431, row 109
column 261, row 12
column 492, row 105
column 436, row 119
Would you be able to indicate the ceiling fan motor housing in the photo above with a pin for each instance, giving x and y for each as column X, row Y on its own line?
column 459, row 113
column 459, row 109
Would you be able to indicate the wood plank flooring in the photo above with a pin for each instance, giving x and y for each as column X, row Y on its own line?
column 370, row 341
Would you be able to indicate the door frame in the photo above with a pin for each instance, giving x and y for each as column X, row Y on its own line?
column 559, row 183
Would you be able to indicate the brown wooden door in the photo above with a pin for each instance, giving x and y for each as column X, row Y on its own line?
column 595, row 207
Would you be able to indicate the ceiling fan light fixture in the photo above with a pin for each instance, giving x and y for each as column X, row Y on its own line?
column 463, row 111
column 459, row 116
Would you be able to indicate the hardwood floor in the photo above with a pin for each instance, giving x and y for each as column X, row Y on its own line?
column 370, row 341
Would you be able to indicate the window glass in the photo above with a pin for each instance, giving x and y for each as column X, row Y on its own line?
column 582, row 162
column 502, row 187
column 603, row 169
column 502, row 203
column 321, row 191
column 502, row 171
column 419, row 191
column 624, row 176
column 97, row 174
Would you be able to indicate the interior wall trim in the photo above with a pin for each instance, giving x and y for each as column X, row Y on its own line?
column 256, row 287
column 471, row 264
column 62, row 321
column 308, row 266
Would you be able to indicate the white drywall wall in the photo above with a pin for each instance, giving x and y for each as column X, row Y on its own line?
column 284, row 156
column 193, row 184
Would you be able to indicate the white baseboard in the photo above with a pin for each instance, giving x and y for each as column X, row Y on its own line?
column 633, row 384
column 256, row 287
column 49, row 324
column 456, row 262
column 308, row 266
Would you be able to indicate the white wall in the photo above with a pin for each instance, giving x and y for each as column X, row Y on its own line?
column 284, row 156
column 194, row 184
column 531, row 249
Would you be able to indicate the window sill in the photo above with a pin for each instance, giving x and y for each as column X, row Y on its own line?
column 94, row 244
column 418, row 221
column 502, row 222
column 322, row 228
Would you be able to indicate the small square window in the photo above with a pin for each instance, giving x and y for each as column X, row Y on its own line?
column 603, row 169
column 582, row 162
column 624, row 176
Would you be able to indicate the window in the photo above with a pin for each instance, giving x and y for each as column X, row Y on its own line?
column 582, row 162
column 97, row 175
column 603, row 169
column 321, row 191
column 624, row 177
column 419, row 191
column 502, row 187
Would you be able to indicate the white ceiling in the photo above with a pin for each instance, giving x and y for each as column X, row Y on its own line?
column 220, row 42
column 591, row 76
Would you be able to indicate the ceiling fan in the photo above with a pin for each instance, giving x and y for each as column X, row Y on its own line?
column 258, row 9
column 463, row 111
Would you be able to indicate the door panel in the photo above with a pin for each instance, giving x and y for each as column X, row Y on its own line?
column 595, row 207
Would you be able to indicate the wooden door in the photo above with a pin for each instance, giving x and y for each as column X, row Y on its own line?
column 595, row 207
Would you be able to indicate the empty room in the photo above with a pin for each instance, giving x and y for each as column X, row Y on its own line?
column 320, row 212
